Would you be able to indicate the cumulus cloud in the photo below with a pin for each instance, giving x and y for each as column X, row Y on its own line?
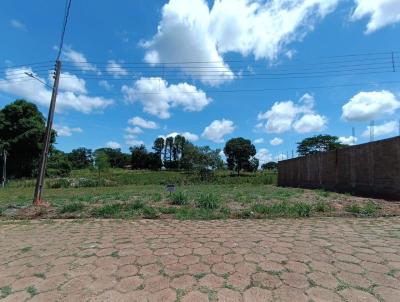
column 132, row 140
column 258, row 141
column 383, row 129
column 70, row 82
column 188, row 135
column 366, row 106
column 113, row 145
column 78, row 59
column 263, row 156
column 217, row 130
column 116, row 69
column 285, row 115
column 158, row 97
column 276, row 141
column 105, row 84
column 72, row 95
column 66, row 131
column 380, row 12
column 18, row 24
column 135, row 130
column 141, row 122
column 190, row 31
column 350, row 140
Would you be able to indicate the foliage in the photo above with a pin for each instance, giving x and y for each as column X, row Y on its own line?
column 101, row 162
column 319, row 143
column 208, row 201
column 200, row 158
column 284, row 209
column 58, row 164
column 269, row 166
column 368, row 209
column 81, row 158
column 116, row 158
column 238, row 152
column 72, row 207
column 138, row 157
column 22, row 130
column 179, row 198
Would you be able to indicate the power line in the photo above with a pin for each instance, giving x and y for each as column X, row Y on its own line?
column 64, row 27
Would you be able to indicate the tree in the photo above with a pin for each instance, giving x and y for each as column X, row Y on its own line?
column 269, row 165
column 319, row 143
column 101, row 162
column 158, row 146
column 22, row 130
column 200, row 158
column 58, row 164
column 169, row 145
column 138, row 157
column 116, row 158
column 153, row 161
column 238, row 152
column 252, row 165
column 81, row 158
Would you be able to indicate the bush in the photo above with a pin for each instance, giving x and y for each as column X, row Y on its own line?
column 208, row 201
column 179, row 198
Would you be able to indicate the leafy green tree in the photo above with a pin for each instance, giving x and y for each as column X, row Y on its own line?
column 252, row 165
column 153, row 161
column 158, row 146
column 116, row 157
column 200, row 158
column 238, row 152
column 22, row 130
column 139, row 157
column 58, row 164
column 319, row 143
column 269, row 165
column 101, row 162
column 81, row 158
column 169, row 146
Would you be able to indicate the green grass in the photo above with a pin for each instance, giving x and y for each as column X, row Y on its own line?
column 32, row 290
column 179, row 198
column 72, row 207
column 189, row 213
column 5, row 291
column 368, row 209
column 283, row 209
column 322, row 206
column 208, row 201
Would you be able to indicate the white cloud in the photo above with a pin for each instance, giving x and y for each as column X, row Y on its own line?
column 113, row 145
column 78, row 59
column 280, row 157
column 276, row 141
column 310, row 123
column 380, row 12
column 263, row 156
column 188, row 135
column 366, row 106
column 131, row 140
column 18, row 24
column 258, row 141
column 190, row 31
column 66, row 131
column 71, row 96
column 141, row 122
column 383, row 129
column 135, row 130
column 104, row 84
column 70, row 82
column 157, row 97
column 350, row 140
column 285, row 115
column 218, row 129
column 116, row 69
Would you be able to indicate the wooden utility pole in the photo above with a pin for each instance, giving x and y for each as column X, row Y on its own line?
column 37, row 199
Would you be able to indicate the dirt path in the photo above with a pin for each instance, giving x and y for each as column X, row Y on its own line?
column 332, row 259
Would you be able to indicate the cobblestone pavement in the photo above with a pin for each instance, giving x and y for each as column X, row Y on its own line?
column 332, row 259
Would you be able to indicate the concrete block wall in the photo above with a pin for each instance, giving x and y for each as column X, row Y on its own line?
column 371, row 169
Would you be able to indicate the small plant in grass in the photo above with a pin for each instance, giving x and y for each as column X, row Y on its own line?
column 179, row 198
column 72, row 207
column 208, row 201
column 167, row 210
column 32, row 290
column 301, row 209
column 5, row 291
column 322, row 206
column 322, row 192
column 198, row 276
column 115, row 254
column 353, row 208
column 108, row 210
column 40, row 275
column 370, row 209
column 149, row 212
column 26, row 249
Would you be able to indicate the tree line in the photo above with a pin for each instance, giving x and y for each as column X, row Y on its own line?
column 22, row 129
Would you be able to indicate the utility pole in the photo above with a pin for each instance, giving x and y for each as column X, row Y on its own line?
column 4, row 174
column 37, row 199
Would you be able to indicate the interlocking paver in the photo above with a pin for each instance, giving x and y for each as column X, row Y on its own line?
column 333, row 259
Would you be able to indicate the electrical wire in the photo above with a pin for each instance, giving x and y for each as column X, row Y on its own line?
column 64, row 27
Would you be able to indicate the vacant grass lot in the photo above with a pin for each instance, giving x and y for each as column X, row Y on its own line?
column 134, row 194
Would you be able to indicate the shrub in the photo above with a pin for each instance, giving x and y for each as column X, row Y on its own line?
column 149, row 212
column 179, row 198
column 370, row 209
column 208, row 201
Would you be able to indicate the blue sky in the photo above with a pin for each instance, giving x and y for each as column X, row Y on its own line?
column 272, row 71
